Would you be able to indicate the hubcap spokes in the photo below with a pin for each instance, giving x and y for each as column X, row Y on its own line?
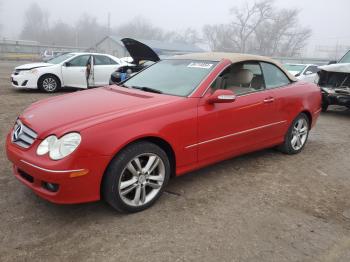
column 299, row 134
column 49, row 84
column 141, row 179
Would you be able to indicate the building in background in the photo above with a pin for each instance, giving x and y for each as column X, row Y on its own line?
column 113, row 46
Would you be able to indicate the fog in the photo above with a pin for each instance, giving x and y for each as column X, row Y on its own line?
column 328, row 20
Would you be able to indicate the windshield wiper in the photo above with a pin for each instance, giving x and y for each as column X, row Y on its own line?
column 148, row 89
column 123, row 85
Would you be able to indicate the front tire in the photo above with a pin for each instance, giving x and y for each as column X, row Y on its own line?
column 49, row 83
column 136, row 178
column 296, row 136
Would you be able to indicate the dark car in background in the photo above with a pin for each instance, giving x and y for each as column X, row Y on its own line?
column 334, row 80
column 142, row 55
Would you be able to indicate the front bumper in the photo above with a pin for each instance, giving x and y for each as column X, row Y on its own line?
column 335, row 99
column 78, row 179
column 24, row 80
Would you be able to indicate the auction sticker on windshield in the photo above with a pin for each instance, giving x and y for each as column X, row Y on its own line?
column 200, row 65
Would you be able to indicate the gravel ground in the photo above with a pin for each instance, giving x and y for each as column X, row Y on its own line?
column 264, row 206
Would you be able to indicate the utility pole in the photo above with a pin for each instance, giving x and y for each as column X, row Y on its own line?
column 109, row 24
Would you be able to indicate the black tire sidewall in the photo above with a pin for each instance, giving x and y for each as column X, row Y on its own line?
column 110, row 184
column 41, row 81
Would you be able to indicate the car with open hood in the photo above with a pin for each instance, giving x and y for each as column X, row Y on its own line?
column 141, row 57
column 303, row 72
column 79, row 70
column 122, row 143
column 334, row 80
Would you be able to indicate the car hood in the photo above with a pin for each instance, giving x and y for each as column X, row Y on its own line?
column 83, row 109
column 139, row 51
column 337, row 68
column 32, row 66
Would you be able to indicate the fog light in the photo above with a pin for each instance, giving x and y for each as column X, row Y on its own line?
column 50, row 186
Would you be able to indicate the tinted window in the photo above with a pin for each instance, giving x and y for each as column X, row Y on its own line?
column 79, row 61
column 173, row 77
column 60, row 59
column 102, row 60
column 312, row 69
column 346, row 58
column 274, row 77
column 112, row 62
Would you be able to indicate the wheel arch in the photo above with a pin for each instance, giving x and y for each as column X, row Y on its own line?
column 309, row 116
column 162, row 143
column 50, row 74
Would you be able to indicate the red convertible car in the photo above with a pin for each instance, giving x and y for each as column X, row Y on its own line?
column 123, row 143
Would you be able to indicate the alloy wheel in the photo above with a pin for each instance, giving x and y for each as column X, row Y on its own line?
column 299, row 134
column 49, row 84
column 141, row 179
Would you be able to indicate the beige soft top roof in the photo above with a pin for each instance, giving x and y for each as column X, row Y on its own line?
column 234, row 58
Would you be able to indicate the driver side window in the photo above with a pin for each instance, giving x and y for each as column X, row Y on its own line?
column 79, row 61
column 241, row 78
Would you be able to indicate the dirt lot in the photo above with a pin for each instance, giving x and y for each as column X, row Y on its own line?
column 264, row 206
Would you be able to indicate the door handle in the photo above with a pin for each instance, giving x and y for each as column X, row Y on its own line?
column 269, row 100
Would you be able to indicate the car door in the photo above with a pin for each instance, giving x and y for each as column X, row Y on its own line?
column 74, row 71
column 310, row 74
column 103, row 68
column 246, row 124
column 285, row 93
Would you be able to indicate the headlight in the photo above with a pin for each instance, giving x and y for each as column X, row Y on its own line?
column 59, row 148
column 33, row 71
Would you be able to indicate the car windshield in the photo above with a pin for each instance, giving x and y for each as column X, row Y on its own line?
column 346, row 58
column 60, row 58
column 294, row 68
column 173, row 77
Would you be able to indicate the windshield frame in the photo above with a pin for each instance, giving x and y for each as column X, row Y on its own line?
column 69, row 56
column 347, row 56
column 216, row 64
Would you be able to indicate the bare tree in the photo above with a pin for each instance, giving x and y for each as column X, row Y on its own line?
column 282, row 35
column 247, row 20
column 217, row 38
column 259, row 28
column 189, row 36
column 88, row 31
column 140, row 28
column 61, row 34
column 36, row 24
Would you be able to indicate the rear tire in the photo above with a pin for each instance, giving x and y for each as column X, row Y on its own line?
column 136, row 177
column 296, row 136
column 49, row 83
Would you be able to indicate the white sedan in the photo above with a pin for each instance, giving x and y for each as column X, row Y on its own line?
column 80, row 70
column 303, row 72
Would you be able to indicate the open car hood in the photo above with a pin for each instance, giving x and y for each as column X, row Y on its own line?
column 337, row 68
column 139, row 51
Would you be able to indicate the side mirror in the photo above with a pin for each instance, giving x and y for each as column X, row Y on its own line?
column 67, row 64
column 332, row 62
column 222, row 96
column 308, row 73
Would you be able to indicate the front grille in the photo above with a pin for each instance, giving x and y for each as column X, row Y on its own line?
column 23, row 135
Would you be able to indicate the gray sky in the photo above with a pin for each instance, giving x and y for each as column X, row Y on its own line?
column 329, row 20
